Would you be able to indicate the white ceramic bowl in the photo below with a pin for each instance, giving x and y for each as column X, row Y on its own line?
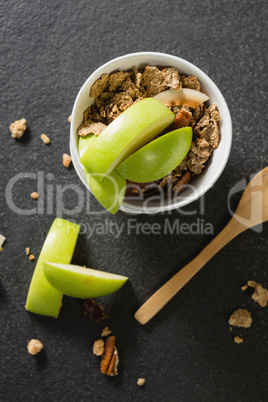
column 200, row 184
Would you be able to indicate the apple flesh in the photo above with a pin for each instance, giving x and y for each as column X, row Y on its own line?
column 75, row 281
column 58, row 247
column 158, row 158
column 110, row 192
column 132, row 129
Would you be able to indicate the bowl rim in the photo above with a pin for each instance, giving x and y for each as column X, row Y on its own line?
column 127, row 207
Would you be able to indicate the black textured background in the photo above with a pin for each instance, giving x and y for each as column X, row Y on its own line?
column 187, row 352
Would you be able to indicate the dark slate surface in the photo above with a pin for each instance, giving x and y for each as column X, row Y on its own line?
column 186, row 353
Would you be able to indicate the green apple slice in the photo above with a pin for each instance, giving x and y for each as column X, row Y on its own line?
column 75, row 281
column 84, row 143
column 110, row 192
column 132, row 129
column 158, row 158
column 58, row 247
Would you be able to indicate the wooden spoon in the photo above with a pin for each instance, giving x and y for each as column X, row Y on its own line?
column 252, row 210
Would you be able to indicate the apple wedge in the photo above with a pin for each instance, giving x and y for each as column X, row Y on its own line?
column 158, row 158
column 132, row 129
column 186, row 96
column 110, row 192
column 58, row 247
column 76, row 281
column 84, row 143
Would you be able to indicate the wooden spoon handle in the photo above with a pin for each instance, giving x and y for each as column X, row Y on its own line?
column 160, row 298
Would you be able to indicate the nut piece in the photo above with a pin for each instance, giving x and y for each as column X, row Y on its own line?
column 66, row 160
column 141, row 381
column 70, row 118
column 98, row 347
column 27, row 250
column 252, row 284
column 34, row 347
column 244, row 287
column 260, row 295
column 34, row 195
column 240, row 318
column 109, row 359
column 45, row 139
column 237, row 339
column 106, row 331
column 31, row 257
column 18, row 128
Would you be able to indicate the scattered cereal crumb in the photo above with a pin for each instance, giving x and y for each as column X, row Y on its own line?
column 252, row 284
column 27, row 250
column 66, row 160
column 237, row 339
column 260, row 295
column 31, row 257
column 240, row 318
column 18, row 128
column 2, row 240
column 70, row 118
column 34, row 346
column 141, row 381
column 106, row 331
column 244, row 287
column 34, row 195
column 45, row 139
column 98, row 347
column 1, row 248
column 230, row 328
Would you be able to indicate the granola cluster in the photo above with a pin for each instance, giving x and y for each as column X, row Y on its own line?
column 116, row 92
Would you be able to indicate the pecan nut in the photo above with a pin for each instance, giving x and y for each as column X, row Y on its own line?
column 109, row 359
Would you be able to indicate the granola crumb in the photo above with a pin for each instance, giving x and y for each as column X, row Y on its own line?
column 106, row 331
column 252, row 284
column 260, row 295
column 18, row 128
column 66, row 160
column 34, row 346
column 70, row 118
column 98, row 347
column 240, row 318
column 31, row 257
column 1, row 248
column 244, row 287
column 230, row 328
column 34, row 195
column 45, row 139
column 141, row 381
column 27, row 250
column 237, row 339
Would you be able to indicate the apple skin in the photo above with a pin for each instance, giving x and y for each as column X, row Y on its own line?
column 58, row 247
column 75, row 281
column 84, row 143
column 110, row 192
column 158, row 158
column 132, row 129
